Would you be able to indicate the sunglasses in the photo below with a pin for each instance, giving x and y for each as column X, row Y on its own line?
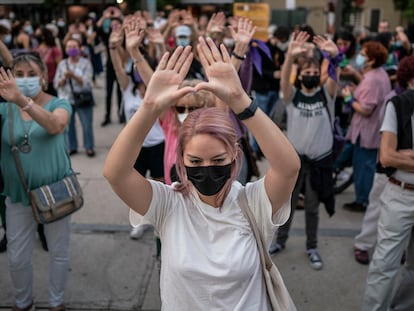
column 21, row 53
column 182, row 109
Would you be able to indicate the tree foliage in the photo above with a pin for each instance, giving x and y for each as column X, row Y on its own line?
column 406, row 7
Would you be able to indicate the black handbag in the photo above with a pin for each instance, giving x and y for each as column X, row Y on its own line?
column 83, row 98
column 53, row 201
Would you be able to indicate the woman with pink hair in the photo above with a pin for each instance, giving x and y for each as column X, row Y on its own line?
column 210, row 258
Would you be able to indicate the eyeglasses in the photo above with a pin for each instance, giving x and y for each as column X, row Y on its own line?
column 182, row 109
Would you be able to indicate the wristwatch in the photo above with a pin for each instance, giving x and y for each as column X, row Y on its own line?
column 249, row 111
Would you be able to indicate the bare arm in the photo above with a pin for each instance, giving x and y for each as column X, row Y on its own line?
column 115, row 41
column 162, row 92
column 53, row 122
column 134, row 36
column 224, row 82
column 242, row 38
column 5, row 54
column 296, row 47
column 327, row 45
column 391, row 157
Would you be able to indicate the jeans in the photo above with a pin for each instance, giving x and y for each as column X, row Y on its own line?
column 364, row 163
column 266, row 102
column 86, row 118
column 311, row 210
column 21, row 235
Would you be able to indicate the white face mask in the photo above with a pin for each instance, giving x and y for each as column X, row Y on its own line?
column 283, row 45
column 181, row 116
column 229, row 42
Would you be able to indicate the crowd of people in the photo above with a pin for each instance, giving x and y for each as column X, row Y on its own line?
column 197, row 96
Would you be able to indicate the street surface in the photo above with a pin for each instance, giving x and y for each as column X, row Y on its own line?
column 109, row 271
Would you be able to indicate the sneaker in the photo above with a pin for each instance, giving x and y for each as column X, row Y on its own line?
column 137, row 232
column 276, row 248
column 315, row 259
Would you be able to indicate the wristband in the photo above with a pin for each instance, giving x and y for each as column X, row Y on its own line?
column 249, row 111
column 238, row 56
column 28, row 105
column 349, row 99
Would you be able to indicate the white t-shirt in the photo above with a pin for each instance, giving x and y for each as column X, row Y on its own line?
column 131, row 103
column 390, row 125
column 210, row 259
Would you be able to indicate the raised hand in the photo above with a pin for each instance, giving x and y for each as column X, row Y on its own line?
column 297, row 43
column 117, row 36
column 162, row 90
column 8, row 87
column 133, row 34
column 216, row 23
column 326, row 44
column 223, row 79
column 245, row 31
column 155, row 36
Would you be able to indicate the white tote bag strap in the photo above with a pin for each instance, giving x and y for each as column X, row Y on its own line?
column 276, row 290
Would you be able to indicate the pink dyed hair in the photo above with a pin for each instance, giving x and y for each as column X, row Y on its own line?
column 217, row 123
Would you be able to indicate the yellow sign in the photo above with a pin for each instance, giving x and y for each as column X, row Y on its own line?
column 259, row 13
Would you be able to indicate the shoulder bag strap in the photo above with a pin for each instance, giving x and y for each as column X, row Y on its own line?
column 264, row 255
column 70, row 79
column 15, row 150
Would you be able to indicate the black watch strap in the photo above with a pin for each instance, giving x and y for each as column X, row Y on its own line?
column 249, row 111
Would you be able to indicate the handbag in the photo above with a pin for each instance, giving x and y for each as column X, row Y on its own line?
column 53, row 201
column 83, row 98
column 277, row 292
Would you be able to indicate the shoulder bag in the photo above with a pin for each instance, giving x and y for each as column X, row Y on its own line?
column 49, row 202
column 277, row 292
column 83, row 98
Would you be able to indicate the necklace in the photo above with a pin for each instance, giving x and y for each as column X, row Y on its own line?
column 25, row 146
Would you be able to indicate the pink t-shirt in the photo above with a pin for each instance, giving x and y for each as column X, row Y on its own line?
column 171, row 137
column 370, row 94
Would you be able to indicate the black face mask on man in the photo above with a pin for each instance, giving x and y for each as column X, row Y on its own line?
column 209, row 180
column 310, row 82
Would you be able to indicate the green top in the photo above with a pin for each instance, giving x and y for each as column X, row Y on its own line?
column 47, row 162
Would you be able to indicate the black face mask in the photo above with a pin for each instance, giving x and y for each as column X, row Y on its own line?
column 209, row 180
column 310, row 82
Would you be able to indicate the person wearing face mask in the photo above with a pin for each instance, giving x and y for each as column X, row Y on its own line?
column 183, row 37
column 5, row 39
column 21, row 40
column 39, row 124
column 366, row 101
column 150, row 158
column 209, row 254
column 76, row 71
column 309, row 107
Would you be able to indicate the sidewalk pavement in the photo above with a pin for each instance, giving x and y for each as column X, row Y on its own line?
column 109, row 271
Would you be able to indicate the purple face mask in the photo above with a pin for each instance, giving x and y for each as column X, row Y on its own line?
column 72, row 52
column 343, row 50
